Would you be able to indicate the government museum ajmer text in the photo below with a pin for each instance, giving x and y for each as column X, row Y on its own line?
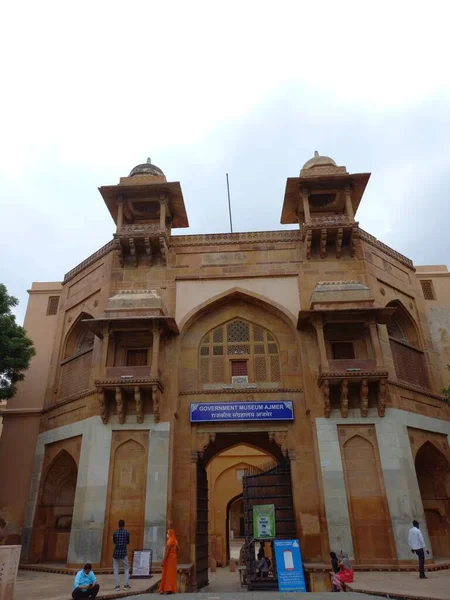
column 342, row 333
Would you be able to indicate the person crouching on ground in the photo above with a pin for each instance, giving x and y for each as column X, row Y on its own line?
column 345, row 574
column 85, row 584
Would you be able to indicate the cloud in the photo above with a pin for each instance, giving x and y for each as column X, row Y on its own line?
column 209, row 88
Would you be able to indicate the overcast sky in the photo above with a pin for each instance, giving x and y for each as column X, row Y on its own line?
column 90, row 89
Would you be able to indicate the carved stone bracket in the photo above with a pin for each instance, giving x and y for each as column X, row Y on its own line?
column 121, row 256
column 120, row 405
column 339, row 236
column 102, row 405
column 308, row 243
column 280, row 438
column 156, row 399
column 133, row 251
column 344, row 398
column 382, row 393
column 139, row 404
column 203, row 441
column 354, row 241
column 323, row 243
column 148, row 249
column 164, row 249
column 364, row 397
column 325, row 387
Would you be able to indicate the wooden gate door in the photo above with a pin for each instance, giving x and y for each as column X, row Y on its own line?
column 201, row 537
column 272, row 486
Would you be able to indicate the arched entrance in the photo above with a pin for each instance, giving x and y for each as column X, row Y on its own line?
column 433, row 475
column 53, row 519
column 126, row 490
column 235, row 526
column 225, row 472
column 221, row 445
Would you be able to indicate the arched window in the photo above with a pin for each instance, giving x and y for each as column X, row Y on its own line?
column 76, row 365
column 239, row 349
column 409, row 359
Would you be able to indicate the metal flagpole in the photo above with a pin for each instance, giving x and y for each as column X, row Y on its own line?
column 229, row 204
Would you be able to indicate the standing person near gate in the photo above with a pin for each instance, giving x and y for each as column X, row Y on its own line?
column 417, row 545
column 121, row 539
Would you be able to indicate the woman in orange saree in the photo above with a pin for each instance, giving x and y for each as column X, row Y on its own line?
column 168, row 583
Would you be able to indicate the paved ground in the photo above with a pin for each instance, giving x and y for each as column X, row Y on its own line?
column 408, row 585
column 33, row 585
column 265, row 595
column 224, row 585
column 222, row 581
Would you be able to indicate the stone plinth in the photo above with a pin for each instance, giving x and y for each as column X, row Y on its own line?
column 9, row 563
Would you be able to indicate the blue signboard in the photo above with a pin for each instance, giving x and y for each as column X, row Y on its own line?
column 208, row 412
column 289, row 566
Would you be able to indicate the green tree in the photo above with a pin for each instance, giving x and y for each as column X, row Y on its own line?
column 16, row 349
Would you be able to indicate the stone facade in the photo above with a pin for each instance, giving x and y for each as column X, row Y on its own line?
column 326, row 317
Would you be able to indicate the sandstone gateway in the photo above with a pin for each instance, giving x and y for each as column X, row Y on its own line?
column 324, row 323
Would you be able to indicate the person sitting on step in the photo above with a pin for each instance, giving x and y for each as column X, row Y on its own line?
column 85, row 584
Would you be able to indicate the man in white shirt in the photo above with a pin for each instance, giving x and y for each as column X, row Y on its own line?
column 417, row 545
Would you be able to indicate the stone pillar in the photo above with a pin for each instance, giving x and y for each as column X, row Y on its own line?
column 334, row 491
column 119, row 212
column 154, row 370
column 104, row 356
column 89, row 511
column 400, row 479
column 16, row 470
column 305, row 198
column 162, row 213
column 9, row 564
column 375, row 342
column 348, row 203
column 156, row 498
column 318, row 324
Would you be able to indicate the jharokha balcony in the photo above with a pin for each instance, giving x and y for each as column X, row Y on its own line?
column 352, row 372
column 352, row 383
column 131, row 335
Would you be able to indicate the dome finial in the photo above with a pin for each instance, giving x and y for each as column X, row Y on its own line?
column 316, row 153
column 149, row 162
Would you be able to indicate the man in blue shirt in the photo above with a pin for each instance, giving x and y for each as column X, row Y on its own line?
column 85, row 584
column 121, row 539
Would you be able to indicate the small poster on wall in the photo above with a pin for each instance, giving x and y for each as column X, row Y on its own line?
column 142, row 564
column 264, row 521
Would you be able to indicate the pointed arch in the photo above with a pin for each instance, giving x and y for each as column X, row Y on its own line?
column 429, row 453
column 128, row 441
column 60, row 481
column 402, row 326
column 77, row 359
column 433, row 477
column 237, row 293
column 79, row 338
column 406, row 346
column 53, row 518
column 368, row 509
column 238, row 347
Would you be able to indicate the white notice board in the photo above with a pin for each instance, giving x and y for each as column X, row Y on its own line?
column 142, row 564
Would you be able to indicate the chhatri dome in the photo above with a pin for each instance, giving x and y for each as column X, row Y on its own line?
column 319, row 161
column 147, row 168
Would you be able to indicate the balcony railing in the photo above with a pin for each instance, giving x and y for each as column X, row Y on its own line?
column 127, row 372
column 346, row 366
column 141, row 229
column 329, row 221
